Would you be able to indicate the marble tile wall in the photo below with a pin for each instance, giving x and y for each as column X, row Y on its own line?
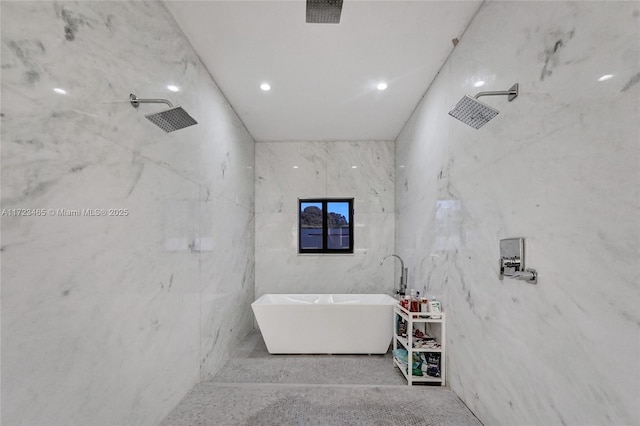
column 113, row 319
column 558, row 166
column 286, row 171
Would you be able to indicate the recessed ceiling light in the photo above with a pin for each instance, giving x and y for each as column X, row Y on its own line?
column 295, row 167
column 382, row 86
column 354, row 167
column 59, row 91
column 265, row 86
column 173, row 88
column 479, row 83
column 606, row 77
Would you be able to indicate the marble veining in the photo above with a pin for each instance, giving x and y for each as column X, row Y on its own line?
column 558, row 166
column 113, row 319
column 286, row 171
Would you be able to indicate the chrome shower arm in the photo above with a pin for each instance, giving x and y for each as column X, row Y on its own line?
column 512, row 93
column 494, row 93
column 136, row 102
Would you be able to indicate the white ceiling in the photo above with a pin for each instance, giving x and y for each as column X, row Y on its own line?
column 323, row 76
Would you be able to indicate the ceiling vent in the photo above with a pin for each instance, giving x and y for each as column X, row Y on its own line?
column 324, row 11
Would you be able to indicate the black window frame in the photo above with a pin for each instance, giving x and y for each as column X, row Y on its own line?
column 325, row 227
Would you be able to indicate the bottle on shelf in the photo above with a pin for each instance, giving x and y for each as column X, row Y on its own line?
column 424, row 305
column 415, row 301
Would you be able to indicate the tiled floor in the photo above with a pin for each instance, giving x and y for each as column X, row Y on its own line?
column 257, row 388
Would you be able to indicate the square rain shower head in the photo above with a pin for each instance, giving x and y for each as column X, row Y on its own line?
column 324, row 11
column 172, row 119
column 472, row 112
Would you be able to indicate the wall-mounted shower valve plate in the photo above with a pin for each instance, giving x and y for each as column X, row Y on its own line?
column 511, row 257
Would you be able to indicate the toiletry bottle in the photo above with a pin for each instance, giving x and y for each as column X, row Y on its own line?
column 405, row 302
column 424, row 305
column 438, row 306
column 415, row 302
column 435, row 308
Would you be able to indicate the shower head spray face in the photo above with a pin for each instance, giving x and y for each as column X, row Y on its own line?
column 472, row 112
column 324, row 11
column 172, row 119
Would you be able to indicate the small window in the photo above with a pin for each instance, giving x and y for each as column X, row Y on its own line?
column 325, row 225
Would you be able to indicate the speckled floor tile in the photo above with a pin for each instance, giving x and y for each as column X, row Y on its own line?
column 256, row 388
column 212, row 403
column 252, row 363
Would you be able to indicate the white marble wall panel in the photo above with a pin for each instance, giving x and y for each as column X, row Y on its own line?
column 227, row 284
column 286, row 171
column 558, row 166
column 111, row 320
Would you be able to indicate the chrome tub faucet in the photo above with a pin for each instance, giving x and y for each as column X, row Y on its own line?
column 403, row 274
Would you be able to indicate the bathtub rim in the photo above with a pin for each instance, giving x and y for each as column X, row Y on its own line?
column 324, row 299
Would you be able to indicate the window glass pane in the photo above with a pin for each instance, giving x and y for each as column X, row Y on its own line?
column 311, row 225
column 338, row 225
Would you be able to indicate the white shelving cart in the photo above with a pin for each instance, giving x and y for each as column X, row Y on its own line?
column 431, row 324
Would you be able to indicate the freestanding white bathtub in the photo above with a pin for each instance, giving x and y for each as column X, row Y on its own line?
column 325, row 323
